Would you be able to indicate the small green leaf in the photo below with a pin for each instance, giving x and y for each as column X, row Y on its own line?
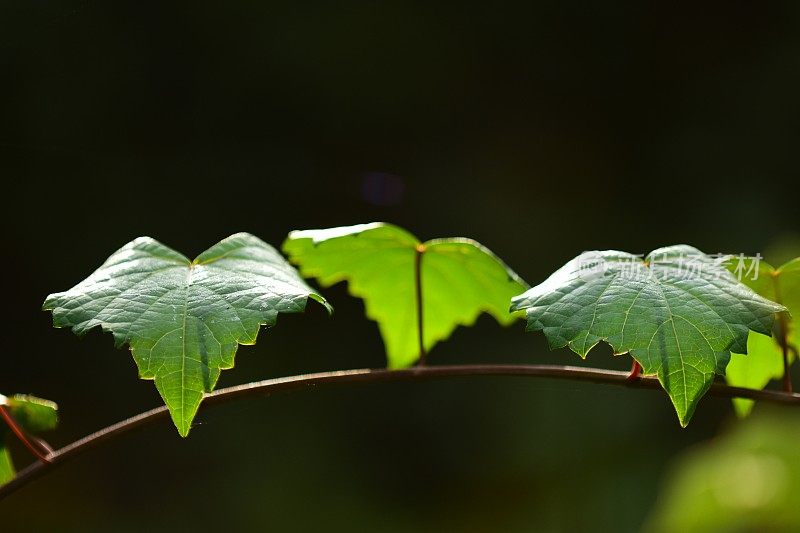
column 184, row 319
column 678, row 312
column 34, row 415
column 764, row 360
column 459, row 280
column 7, row 470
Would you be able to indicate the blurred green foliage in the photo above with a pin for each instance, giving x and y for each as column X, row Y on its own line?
column 746, row 480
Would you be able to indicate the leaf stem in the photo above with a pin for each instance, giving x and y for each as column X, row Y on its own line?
column 636, row 371
column 418, row 291
column 365, row 375
column 43, row 444
column 783, row 340
column 787, row 376
column 20, row 433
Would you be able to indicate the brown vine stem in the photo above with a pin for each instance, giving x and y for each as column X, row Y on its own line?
column 366, row 375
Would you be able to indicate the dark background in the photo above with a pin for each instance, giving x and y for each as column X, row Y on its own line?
column 540, row 130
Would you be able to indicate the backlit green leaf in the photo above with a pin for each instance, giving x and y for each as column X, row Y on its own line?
column 764, row 360
column 678, row 312
column 184, row 319
column 459, row 280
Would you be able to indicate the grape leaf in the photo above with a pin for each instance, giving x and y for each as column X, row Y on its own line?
column 184, row 319
column 459, row 280
column 34, row 415
column 678, row 313
column 764, row 360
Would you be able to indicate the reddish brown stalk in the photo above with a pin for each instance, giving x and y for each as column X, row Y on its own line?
column 22, row 435
column 787, row 377
column 783, row 326
column 42, row 444
column 636, row 371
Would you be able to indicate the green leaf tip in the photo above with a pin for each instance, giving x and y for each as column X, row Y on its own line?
column 677, row 311
column 459, row 279
column 182, row 319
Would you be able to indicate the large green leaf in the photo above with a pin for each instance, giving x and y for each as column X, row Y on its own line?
column 678, row 312
column 459, row 280
column 764, row 360
column 184, row 319
column 34, row 415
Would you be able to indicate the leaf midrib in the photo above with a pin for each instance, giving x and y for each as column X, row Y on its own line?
column 671, row 319
column 189, row 276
